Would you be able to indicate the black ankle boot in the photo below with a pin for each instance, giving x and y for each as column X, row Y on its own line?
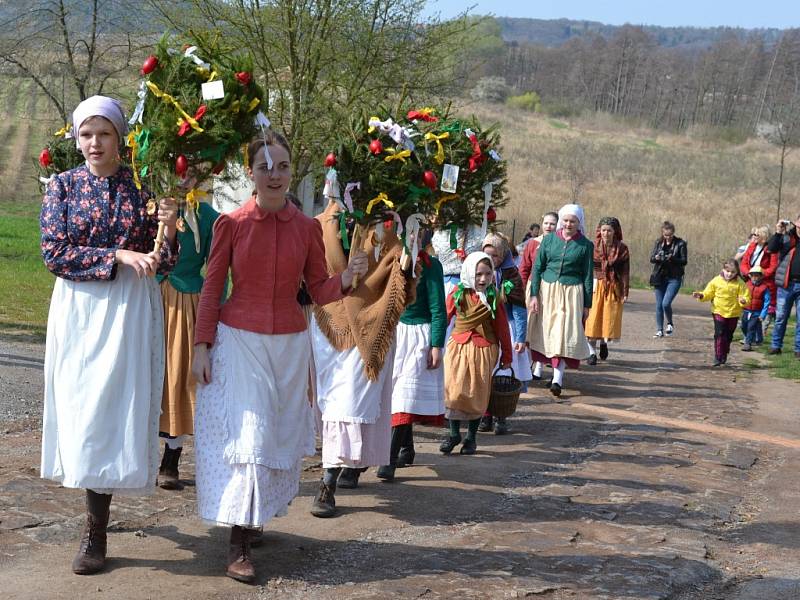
column 168, row 477
column 406, row 456
column 386, row 472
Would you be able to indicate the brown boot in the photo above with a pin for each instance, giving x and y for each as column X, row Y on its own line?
column 239, row 566
column 91, row 557
column 168, row 477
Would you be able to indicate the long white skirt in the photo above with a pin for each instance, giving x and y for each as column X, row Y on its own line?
column 354, row 412
column 103, row 378
column 253, row 426
column 520, row 361
column 416, row 389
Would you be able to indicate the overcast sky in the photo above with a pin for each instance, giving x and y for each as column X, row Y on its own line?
column 699, row 13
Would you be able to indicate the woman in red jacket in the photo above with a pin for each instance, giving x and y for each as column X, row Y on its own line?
column 758, row 254
column 253, row 421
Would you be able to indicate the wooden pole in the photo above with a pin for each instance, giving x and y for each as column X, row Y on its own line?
column 355, row 245
column 159, row 239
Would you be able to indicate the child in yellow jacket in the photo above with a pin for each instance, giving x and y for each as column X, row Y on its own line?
column 728, row 295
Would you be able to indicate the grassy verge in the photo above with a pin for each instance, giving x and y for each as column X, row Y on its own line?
column 25, row 283
column 784, row 365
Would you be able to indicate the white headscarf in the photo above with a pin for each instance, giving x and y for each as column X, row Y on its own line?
column 575, row 210
column 468, row 270
column 100, row 106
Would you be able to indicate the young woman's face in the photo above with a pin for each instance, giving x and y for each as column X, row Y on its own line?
column 607, row 233
column 668, row 234
column 728, row 274
column 271, row 184
column 99, row 144
column 497, row 260
column 549, row 224
column 570, row 225
column 483, row 276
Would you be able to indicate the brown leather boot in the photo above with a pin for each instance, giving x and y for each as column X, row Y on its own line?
column 240, row 567
column 168, row 477
column 91, row 557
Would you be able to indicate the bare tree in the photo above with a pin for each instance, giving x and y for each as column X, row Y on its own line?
column 324, row 61
column 70, row 49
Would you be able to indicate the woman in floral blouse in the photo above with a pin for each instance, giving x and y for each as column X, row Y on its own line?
column 104, row 362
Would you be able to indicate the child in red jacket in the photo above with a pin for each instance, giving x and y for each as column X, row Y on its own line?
column 481, row 326
column 755, row 312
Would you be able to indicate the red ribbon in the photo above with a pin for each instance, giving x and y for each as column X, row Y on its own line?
column 478, row 157
column 461, row 254
column 423, row 256
column 415, row 115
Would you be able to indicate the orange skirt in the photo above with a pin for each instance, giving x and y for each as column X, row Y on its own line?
column 605, row 316
column 177, row 403
column 468, row 379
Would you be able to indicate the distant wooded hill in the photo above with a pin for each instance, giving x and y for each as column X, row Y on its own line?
column 555, row 32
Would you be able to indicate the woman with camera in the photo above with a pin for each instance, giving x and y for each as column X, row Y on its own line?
column 787, row 276
column 669, row 257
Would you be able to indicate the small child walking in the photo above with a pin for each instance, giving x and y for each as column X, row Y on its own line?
column 728, row 295
column 755, row 313
column 479, row 335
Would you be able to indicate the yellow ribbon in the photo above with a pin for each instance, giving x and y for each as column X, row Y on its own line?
column 382, row 197
column 167, row 98
column 63, row 131
column 395, row 155
column 211, row 77
column 253, row 103
column 430, row 136
column 372, row 127
column 193, row 198
column 131, row 143
column 444, row 199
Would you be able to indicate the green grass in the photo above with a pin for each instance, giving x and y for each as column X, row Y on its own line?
column 785, row 365
column 558, row 124
column 25, row 283
column 650, row 144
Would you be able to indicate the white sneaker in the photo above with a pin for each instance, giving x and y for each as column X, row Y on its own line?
column 669, row 329
column 659, row 334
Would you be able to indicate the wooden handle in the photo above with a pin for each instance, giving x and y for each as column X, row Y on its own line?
column 355, row 245
column 159, row 239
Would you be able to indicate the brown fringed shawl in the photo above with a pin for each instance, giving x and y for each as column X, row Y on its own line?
column 612, row 263
column 473, row 315
column 368, row 316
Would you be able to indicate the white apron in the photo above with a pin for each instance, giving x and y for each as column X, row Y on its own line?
column 416, row 389
column 354, row 413
column 253, row 426
column 103, row 378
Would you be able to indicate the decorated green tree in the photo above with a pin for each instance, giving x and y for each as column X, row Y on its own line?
column 427, row 163
column 59, row 155
column 198, row 107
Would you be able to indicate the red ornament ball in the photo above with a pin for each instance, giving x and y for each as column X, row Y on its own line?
column 330, row 160
column 491, row 215
column 429, row 180
column 375, row 147
column 244, row 77
column 45, row 160
column 181, row 166
column 150, row 65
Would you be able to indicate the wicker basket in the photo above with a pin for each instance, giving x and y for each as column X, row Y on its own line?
column 505, row 394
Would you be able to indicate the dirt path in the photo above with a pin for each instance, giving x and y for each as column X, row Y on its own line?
column 643, row 482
